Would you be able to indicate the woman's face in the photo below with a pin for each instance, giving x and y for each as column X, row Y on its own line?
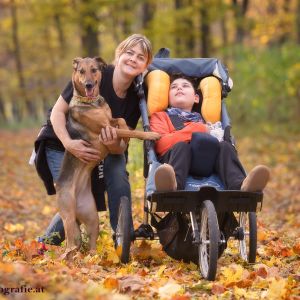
column 133, row 61
column 182, row 94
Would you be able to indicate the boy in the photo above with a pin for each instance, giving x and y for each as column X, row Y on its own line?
column 174, row 149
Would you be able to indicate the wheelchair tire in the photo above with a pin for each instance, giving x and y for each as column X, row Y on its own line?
column 123, row 238
column 248, row 245
column 209, row 240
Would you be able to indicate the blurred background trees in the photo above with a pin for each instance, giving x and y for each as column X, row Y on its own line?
column 259, row 41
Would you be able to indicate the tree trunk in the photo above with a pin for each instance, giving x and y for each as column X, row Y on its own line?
column 285, row 24
column 178, row 40
column 126, row 20
column 88, row 23
column 298, row 21
column 61, row 35
column 224, row 32
column 205, row 30
column 184, row 38
column 190, row 39
column 2, row 113
column 21, row 110
column 239, row 11
column 147, row 13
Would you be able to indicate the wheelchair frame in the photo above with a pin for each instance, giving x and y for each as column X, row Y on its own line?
column 203, row 204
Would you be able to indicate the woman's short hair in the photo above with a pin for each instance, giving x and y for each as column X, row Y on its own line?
column 132, row 41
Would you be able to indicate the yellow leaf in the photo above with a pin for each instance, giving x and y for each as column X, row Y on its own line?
column 169, row 289
column 231, row 274
column 239, row 293
column 13, row 227
column 273, row 261
column 113, row 257
column 277, row 289
column 161, row 270
column 47, row 210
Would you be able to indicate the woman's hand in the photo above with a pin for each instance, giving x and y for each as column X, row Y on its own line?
column 108, row 137
column 82, row 150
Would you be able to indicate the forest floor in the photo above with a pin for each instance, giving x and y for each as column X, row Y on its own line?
column 25, row 212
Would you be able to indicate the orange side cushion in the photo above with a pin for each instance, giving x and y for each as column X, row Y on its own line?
column 211, row 103
column 158, row 83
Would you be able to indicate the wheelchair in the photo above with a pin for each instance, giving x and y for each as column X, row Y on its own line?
column 204, row 202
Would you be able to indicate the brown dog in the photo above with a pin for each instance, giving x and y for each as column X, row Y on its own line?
column 88, row 114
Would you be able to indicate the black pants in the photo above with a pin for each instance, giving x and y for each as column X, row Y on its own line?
column 227, row 166
column 179, row 157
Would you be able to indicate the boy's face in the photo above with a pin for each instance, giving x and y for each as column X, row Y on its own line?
column 182, row 95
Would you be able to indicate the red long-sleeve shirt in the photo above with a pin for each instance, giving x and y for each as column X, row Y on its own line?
column 161, row 123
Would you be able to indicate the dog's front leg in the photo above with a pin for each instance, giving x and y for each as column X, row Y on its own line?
column 124, row 132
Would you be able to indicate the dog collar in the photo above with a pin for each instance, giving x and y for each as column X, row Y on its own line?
column 82, row 99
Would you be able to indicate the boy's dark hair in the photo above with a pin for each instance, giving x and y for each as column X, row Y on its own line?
column 192, row 80
column 195, row 84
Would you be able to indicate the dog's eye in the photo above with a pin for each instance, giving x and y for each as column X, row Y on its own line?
column 94, row 70
column 81, row 71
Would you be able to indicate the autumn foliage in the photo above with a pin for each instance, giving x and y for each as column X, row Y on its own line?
column 25, row 212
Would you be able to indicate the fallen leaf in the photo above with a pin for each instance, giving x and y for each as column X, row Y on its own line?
column 218, row 289
column 277, row 289
column 262, row 272
column 13, row 227
column 169, row 289
column 296, row 248
column 130, row 284
column 111, row 283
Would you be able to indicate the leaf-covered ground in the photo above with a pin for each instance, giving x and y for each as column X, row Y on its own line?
column 25, row 212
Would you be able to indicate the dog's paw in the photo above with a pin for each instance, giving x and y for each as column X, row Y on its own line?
column 93, row 252
column 69, row 253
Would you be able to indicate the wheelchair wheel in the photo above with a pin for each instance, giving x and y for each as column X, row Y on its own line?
column 123, row 230
column 209, row 240
column 248, row 242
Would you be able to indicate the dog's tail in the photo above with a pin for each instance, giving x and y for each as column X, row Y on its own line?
column 127, row 133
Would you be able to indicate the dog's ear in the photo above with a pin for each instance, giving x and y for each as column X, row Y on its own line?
column 76, row 61
column 101, row 62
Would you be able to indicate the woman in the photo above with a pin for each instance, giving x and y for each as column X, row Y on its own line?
column 132, row 56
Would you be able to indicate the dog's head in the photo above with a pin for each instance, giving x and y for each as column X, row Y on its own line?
column 87, row 75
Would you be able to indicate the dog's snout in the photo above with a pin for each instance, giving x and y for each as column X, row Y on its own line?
column 89, row 85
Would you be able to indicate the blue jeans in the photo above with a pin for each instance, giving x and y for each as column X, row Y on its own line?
column 116, row 185
column 55, row 232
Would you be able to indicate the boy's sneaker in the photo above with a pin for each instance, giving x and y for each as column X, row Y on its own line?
column 165, row 178
column 256, row 180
